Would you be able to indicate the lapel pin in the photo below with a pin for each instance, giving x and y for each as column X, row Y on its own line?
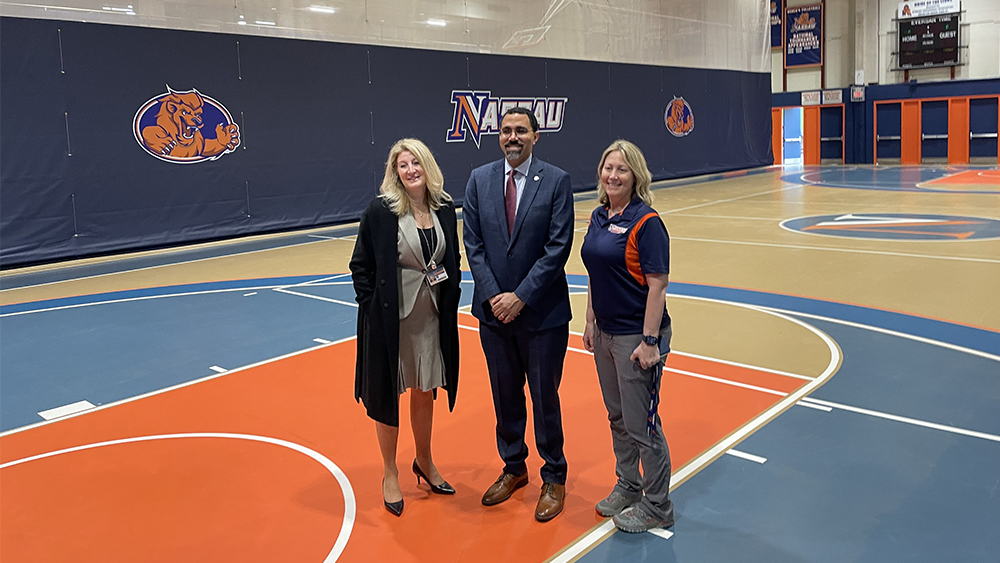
column 536, row 178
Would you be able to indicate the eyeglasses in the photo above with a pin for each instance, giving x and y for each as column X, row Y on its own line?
column 519, row 131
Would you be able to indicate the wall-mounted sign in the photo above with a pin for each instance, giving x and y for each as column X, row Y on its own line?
column 857, row 93
column 921, row 8
column 833, row 97
column 777, row 8
column 812, row 98
column 804, row 36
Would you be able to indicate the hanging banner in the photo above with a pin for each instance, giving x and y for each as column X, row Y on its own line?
column 777, row 8
column 804, row 36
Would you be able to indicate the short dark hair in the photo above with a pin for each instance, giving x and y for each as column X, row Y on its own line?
column 522, row 111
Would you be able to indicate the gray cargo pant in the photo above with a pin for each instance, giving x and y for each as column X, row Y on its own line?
column 627, row 391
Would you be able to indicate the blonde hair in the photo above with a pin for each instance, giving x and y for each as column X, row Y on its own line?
column 636, row 163
column 392, row 189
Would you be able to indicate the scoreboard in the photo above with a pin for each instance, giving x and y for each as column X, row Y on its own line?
column 928, row 41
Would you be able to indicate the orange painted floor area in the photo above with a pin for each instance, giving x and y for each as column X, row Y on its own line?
column 214, row 499
column 969, row 177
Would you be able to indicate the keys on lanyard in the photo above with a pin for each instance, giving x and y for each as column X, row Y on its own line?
column 654, row 400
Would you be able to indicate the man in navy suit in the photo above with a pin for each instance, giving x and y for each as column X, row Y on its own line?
column 518, row 229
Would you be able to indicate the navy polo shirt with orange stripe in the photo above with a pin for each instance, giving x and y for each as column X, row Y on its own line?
column 618, row 252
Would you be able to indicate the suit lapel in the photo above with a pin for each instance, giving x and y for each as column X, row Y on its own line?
column 496, row 198
column 531, row 184
column 408, row 228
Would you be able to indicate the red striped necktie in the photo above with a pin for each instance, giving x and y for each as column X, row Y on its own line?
column 510, row 201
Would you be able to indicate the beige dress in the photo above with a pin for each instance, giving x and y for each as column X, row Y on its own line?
column 421, row 365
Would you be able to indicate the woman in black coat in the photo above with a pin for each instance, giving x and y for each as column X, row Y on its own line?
column 406, row 275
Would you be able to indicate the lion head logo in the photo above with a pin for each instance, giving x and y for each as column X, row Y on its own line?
column 170, row 127
column 679, row 117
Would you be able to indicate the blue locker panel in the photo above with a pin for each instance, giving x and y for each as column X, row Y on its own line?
column 934, row 129
column 983, row 127
column 831, row 131
column 889, row 118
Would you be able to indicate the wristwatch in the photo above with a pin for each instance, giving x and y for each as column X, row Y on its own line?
column 651, row 340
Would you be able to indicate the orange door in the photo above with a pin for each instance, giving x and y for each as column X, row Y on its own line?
column 909, row 133
column 958, row 131
column 810, row 135
column 776, row 134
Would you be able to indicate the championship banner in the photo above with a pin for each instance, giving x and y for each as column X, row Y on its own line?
column 804, row 36
column 777, row 7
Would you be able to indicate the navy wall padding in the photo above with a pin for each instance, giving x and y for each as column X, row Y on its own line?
column 316, row 121
column 860, row 116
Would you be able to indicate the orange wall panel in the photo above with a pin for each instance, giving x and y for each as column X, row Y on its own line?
column 776, row 135
column 810, row 135
column 958, row 131
column 909, row 132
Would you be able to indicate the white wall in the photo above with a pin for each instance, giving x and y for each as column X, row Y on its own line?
column 719, row 34
column 860, row 35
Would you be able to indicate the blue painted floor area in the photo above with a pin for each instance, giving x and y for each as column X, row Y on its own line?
column 842, row 486
column 885, row 178
column 119, row 345
column 112, row 351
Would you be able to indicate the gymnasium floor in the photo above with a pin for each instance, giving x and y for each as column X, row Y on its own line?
column 832, row 394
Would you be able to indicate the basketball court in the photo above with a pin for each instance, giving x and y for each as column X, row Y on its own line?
column 831, row 395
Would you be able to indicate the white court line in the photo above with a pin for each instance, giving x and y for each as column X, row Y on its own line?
column 746, row 456
column 146, row 298
column 350, row 503
column 768, row 219
column 322, row 341
column 180, row 385
column 217, row 369
column 849, row 250
column 249, row 294
column 660, row 532
column 907, row 420
column 66, row 410
column 913, row 337
column 748, row 366
column 347, row 238
column 786, row 188
column 706, row 358
column 327, row 299
column 161, row 266
column 727, row 382
column 593, row 538
column 803, row 403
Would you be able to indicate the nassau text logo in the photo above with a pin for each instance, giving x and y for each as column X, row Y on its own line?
column 478, row 113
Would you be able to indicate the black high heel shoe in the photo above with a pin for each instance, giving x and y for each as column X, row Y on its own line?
column 442, row 489
column 396, row 508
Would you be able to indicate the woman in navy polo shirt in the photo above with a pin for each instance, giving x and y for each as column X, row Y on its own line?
column 627, row 254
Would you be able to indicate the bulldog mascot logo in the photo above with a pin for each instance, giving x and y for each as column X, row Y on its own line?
column 679, row 118
column 172, row 127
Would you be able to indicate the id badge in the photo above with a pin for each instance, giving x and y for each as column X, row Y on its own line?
column 437, row 275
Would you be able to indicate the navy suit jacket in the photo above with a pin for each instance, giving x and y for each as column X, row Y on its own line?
column 531, row 261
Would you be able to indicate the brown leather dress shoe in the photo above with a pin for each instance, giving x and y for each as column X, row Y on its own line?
column 505, row 486
column 550, row 503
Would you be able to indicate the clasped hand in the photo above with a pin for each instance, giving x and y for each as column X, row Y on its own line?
column 506, row 306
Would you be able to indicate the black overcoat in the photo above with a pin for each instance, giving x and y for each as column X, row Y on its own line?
column 373, row 269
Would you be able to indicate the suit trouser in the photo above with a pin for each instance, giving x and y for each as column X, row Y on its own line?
column 627, row 390
column 514, row 356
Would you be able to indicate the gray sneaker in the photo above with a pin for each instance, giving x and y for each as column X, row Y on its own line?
column 636, row 520
column 614, row 504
